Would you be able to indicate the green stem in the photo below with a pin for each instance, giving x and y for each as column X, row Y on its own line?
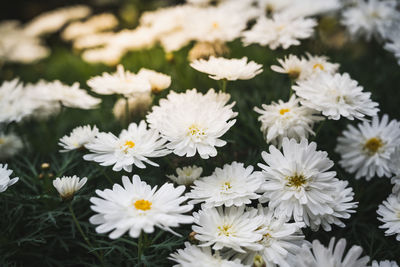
column 83, row 234
column 224, row 83
column 127, row 114
column 319, row 128
column 140, row 248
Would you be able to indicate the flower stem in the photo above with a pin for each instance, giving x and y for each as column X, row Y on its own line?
column 127, row 115
column 224, row 83
column 140, row 248
column 83, row 234
column 319, row 128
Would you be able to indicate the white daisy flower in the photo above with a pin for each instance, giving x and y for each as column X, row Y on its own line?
column 296, row 68
column 389, row 214
column 286, row 119
column 121, row 82
column 67, row 186
column 194, row 256
column 298, row 181
column 393, row 45
column 5, row 180
column 280, row 31
column 385, row 263
column 133, row 147
column 367, row 149
column 280, row 240
column 220, row 68
column 342, row 205
column 370, row 18
column 10, row 144
column 331, row 256
column 193, row 122
column 335, row 96
column 394, row 166
column 186, row 175
column 78, row 138
column 232, row 185
column 136, row 206
column 157, row 80
column 318, row 64
column 231, row 227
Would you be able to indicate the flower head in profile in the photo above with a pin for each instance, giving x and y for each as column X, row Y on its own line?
column 157, row 80
column 10, row 144
column 67, row 186
column 389, row 214
column 336, row 96
column 121, row 82
column 78, row 138
column 286, row 119
column 232, row 185
column 136, row 207
column 279, row 31
column 367, row 149
column 293, row 66
column 5, row 180
column 332, row 256
column 133, row 146
column 186, row 175
column 194, row 256
column 219, row 68
column 298, row 182
column 231, row 227
column 193, row 122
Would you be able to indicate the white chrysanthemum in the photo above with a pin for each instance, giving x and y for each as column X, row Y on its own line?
column 336, row 96
column 370, row 18
column 231, row 227
column 121, row 82
column 331, row 256
column 136, row 206
column 298, row 181
column 280, row 240
column 193, row 122
column 157, row 80
column 385, row 263
column 280, row 31
column 389, row 214
column 220, row 68
column 194, row 256
column 138, row 105
column 394, row 166
column 5, row 180
column 296, row 68
column 317, row 64
column 10, row 144
column 13, row 106
column 342, row 205
column 286, row 119
column 232, row 185
column 94, row 24
column 367, row 149
column 393, row 45
column 132, row 147
column 186, row 175
column 78, row 138
column 67, row 186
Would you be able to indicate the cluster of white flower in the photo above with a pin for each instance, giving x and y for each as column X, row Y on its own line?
column 41, row 99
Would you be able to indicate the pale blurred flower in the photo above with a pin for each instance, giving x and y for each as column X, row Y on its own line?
column 280, row 31
column 157, row 80
column 67, row 186
column 108, row 55
column 393, row 45
column 138, row 105
column 10, row 144
column 367, row 150
column 287, row 119
column 385, row 263
column 336, row 96
column 233, row 69
column 205, row 50
column 186, row 175
column 296, row 68
column 193, row 122
column 94, row 24
column 78, row 138
column 5, row 180
column 137, row 207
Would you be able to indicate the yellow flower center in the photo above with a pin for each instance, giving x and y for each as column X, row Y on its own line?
column 294, row 73
column 142, row 204
column 283, row 111
column 225, row 230
column 296, row 180
column 319, row 66
column 2, row 141
column 195, row 131
column 129, row 144
column 373, row 145
column 215, row 25
column 226, row 186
